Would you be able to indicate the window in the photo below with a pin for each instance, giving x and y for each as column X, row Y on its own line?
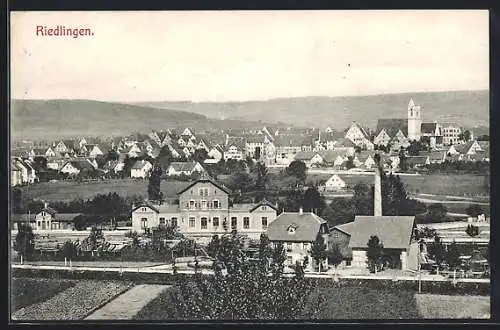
column 234, row 222
column 336, row 234
column 143, row 209
column 204, row 205
column 173, row 222
column 305, row 246
column 264, row 222
column 215, row 222
column 216, row 204
column 162, row 221
column 204, row 224
column 191, row 204
column 289, row 260
column 264, row 208
column 144, row 223
column 246, row 222
column 192, row 222
column 288, row 247
column 203, row 191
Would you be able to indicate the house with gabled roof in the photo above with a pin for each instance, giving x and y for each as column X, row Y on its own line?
column 215, row 154
column 333, row 157
column 364, row 159
column 396, row 233
column 310, row 158
column 204, row 210
column 141, row 169
column 16, row 174
column 297, row 231
column 334, row 183
column 75, row 166
column 359, row 136
column 184, row 168
column 468, row 148
column 391, row 130
column 431, row 134
column 235, row 148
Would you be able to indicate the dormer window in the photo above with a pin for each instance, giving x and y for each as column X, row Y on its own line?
column 292, row 229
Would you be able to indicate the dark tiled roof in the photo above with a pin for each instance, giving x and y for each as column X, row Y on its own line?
column 22, row 217
column 393, row 231
column 205, row 178
column 307, row 226
column 183, row 166
column 80, row 164
column 428, row 128
column 140, row 164
column 66, row 217
column 392, row 126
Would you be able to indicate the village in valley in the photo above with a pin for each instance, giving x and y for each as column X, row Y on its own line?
column 307, row 190
column 247, row 166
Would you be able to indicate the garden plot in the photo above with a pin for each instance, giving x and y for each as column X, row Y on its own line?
column 28, row 291
column 74, row 303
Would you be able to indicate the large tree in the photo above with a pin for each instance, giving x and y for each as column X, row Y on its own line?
column 200, row 155
column 374, row 253
column 403, row 160
column 25, row 241
column 312, row 201
column 318, row 250
column 334, row 255
column 437, row 251
column 298, row 169
column 453, row 256
column 242, row 290
column 474, row 210
column 154, row 191
column 363, row 199
column 261, row 180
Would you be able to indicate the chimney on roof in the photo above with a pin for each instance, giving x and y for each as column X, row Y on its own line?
column 301, row 211
column 45, row 204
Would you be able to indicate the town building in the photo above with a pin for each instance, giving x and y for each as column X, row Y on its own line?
column 451, row 133
column 47, row 219
column 204, row 210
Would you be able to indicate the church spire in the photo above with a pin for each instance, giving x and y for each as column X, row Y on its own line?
column 411, row 104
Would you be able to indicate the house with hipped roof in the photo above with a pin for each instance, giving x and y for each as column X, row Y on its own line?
column 204, row 210
column 297, row 231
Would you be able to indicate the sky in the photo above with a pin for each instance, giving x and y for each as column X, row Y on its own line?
column 237, row 56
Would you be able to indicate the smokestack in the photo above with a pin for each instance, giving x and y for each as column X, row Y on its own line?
column 377, row 201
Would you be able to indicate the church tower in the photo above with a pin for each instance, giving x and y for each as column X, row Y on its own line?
column 414, row 121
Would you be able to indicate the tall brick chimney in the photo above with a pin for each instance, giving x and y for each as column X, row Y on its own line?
column 377, row 200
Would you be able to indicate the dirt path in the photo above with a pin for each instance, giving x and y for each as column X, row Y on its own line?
column 127, row 305
column 432, row 306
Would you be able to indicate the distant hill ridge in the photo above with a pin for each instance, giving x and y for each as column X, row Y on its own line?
column 468, row 108
column 52, row 119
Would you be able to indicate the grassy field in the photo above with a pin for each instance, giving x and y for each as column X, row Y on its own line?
column 438, row 184
column 68, row 190
column 28, row 291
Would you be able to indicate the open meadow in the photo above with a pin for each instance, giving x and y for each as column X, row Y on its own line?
column 435, row 184
column 69, row 190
